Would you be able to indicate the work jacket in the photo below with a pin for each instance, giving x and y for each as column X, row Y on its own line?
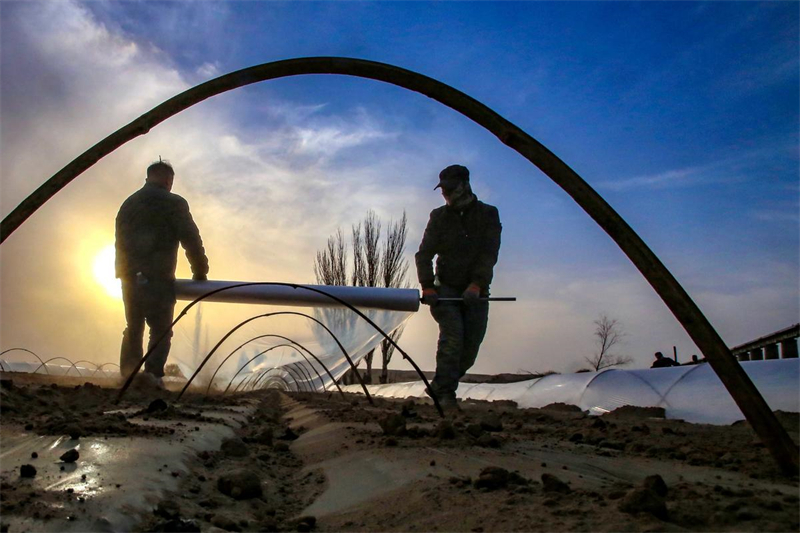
column 466, row 242
column 149, row 226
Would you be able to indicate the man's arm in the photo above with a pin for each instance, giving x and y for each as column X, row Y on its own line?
column 427, row 250
column 189, row 237
column 490, row 248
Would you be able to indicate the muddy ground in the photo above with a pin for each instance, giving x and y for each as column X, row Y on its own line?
column 321, row 462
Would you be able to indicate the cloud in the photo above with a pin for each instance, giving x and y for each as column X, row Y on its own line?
column 729, row 170
column 264, row 198
column 208, row 70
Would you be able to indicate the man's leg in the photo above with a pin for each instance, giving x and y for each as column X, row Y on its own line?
column 131, row 350
column 450, row 347
column 476, row 319
column 159, row 319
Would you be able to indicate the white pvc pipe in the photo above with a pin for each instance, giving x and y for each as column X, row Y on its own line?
column 389, row 299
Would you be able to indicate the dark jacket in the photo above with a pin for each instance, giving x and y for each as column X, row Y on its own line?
column 664, row 362
column 150, row 224
column 467, row 243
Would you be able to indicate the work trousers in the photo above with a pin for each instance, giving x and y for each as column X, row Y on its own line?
column 152, row 303
column 461, row 331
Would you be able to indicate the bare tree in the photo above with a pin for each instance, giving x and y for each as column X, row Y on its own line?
column 608, row 336
column 387, row 350
column 330, row 266
column 367, row 263
column 394, row 268
column 373, row 266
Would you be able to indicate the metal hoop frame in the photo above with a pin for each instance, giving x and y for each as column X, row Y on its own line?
column 719, row 356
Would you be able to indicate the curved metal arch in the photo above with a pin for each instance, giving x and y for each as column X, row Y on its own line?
column 303, row 370
column 300, row 370
column 30, row 352
column 253, row 380
column 200, row 367
column 262, row 375
column 669, row 389
column 322, row 381
column 75, row 366
column 1, row 366
column 44, row 364
column 736, row 381
column 185, row 310
column 197, row 300
column 274, row 376
column 605, row 370
column 96, row 370
column 259, row 354
column 288, row 369
column 279, row 378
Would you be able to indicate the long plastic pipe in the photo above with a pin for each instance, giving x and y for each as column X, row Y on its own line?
column 389, row 299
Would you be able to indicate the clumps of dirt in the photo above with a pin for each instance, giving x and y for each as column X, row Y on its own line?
column 643, row 432
column 494, row 478
column 70, row 456
column 77, row 411
column 252, row 483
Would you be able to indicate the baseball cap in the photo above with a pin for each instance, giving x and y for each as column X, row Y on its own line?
column 452, row 176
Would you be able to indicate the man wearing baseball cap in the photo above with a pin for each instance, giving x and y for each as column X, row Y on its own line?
column 464, row 234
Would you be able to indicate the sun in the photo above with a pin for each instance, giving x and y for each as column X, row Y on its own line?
column 103, row 269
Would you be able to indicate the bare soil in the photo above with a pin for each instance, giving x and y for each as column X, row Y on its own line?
column 327, row 463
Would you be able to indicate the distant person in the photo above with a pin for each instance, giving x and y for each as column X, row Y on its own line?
column 465, row 235
column 149, row 226
column 663, row 362
column 695, row 361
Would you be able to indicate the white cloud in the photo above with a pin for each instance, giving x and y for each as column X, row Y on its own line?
column 208, row 70
column 263, row 199
column 731, row 169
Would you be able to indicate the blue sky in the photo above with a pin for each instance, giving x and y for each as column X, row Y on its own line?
column 683, row 115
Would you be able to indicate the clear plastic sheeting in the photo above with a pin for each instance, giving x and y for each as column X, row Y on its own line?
column 315, row 348
column 276, row 336
column 693, row 393
column 269, row 360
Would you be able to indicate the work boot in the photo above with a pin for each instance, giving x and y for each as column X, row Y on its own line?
column 449, row 405
column 145, row 382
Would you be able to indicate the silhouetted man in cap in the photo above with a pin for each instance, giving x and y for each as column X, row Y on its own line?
column 464, row 234
column 149, row 226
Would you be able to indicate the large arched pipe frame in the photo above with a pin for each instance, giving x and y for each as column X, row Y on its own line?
column 30, row 352
column 286, row 339
column 719, row 356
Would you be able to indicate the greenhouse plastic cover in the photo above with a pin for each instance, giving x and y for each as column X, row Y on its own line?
column 255, row 355
column 692, row 393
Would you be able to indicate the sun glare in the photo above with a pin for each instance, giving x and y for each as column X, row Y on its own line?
column 103, row 269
